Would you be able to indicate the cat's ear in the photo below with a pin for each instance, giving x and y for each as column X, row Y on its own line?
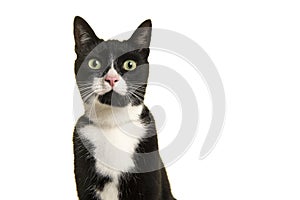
column 142, row 35
column 84, row 35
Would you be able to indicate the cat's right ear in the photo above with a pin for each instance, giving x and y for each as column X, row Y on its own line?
column 85, row 38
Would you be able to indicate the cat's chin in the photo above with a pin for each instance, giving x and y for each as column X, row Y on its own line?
column 112, row 98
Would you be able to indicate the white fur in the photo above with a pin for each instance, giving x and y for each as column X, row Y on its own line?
column 115, row 134
column 107, row 116
column 121, row 87
column 109, row 192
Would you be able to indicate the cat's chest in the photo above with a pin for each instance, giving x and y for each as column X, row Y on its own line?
column 113, row 147
column 112, row 139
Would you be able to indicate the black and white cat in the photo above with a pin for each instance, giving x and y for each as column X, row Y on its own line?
column 115, row 141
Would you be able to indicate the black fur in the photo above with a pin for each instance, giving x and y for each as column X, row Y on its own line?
column 152, row 185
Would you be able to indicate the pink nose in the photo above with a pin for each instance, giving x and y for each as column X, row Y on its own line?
column 112, row 80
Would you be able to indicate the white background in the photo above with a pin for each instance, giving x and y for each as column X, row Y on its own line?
column 255, row 46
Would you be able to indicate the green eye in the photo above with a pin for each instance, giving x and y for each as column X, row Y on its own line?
column 129, row 65
column 94, row 63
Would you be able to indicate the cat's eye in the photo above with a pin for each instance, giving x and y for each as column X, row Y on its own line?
column 94, row 63
column 129, row 65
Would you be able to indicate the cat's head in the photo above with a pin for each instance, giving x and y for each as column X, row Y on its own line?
column 112, row 72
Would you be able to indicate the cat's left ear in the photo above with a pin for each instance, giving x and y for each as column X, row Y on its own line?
column 142, row 35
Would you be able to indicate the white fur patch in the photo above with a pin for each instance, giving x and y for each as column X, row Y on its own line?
column 109, row 192
column 115, row 134
column 121, row 87
column 114, row 148
column 107, row 116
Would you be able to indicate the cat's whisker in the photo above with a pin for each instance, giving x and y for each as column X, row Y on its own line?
column 129, row 97
column 134, row 95
column 85, row 88
column 140, row 93
column 139, row 90
column 137, row 82
column 93, row 107
column 138, row 97
column 131, row 87
column 86, row 97
column 85, row 81
column 86, row 92
column 136, row 88
column 81, row 88
column 84, row 85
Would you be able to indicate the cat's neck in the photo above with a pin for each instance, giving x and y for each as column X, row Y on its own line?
column 109, row 116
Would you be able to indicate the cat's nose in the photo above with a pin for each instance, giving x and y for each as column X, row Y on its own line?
column 112, row 80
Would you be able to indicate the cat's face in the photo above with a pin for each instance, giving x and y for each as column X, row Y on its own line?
column 112, row 72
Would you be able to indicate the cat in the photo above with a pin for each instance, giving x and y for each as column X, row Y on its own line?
column 115, row 142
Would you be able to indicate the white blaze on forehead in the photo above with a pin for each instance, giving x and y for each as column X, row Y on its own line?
column 112, row 58
column 112, row 72
column 112, row 62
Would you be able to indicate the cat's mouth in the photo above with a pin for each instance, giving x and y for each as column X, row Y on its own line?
column 113, row 98
column 105, row 85
column 117, row 85
column 114, row 89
